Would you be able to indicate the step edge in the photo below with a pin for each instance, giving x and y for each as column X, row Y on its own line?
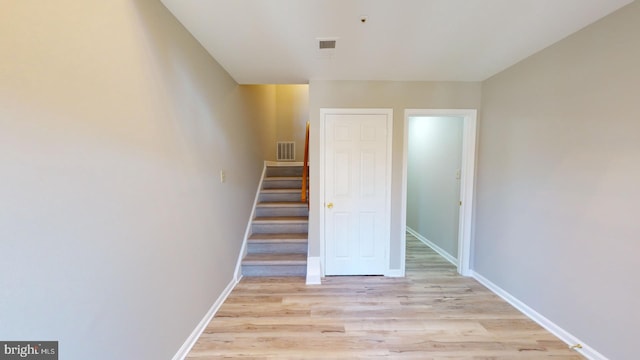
column 284, row 204
column 278, row 242
column 276, row 220
column 274, row 262
column 280, row 190
column 284, row 178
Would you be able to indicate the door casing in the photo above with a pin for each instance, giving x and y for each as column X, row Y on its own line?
column 467, row 181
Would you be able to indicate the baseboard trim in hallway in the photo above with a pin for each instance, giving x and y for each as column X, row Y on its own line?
column 314, row 271
column 247, row 232
column 195, row 334
column 562, row 334
column 433, row 246
column 559, row 332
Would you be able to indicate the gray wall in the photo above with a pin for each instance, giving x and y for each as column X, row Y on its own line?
column 557, row 188
column 433, row 188
column 380, row 94
column 116, row 235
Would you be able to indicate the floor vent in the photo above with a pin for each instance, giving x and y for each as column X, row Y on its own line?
column 286, row 151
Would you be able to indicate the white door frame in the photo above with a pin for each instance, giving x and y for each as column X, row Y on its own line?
column 467, row 182
column 321, row 203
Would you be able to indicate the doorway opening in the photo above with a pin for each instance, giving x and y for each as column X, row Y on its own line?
column 438, row 178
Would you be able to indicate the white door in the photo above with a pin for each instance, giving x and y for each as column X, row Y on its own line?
column 357, row 181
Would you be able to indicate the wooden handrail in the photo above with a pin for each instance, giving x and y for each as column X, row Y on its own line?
column 305, row 168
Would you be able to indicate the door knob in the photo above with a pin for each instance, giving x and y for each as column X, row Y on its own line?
column 330, row 205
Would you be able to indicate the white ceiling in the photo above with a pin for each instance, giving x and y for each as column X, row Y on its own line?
column 275, row 41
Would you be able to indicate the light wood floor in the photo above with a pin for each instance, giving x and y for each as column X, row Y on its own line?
column 431, row 314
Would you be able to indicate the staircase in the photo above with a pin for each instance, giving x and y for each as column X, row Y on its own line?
column 277, row 245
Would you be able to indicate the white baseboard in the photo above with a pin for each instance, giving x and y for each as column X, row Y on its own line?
column 569, row 339
column 435, row 247
column 314, row 270
column 395, row 273
column 195, row 334
column 247, row 232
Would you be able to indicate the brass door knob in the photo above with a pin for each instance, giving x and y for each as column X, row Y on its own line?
column 330, row 205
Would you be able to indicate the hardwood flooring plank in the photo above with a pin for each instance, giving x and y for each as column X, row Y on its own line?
column 432, row 313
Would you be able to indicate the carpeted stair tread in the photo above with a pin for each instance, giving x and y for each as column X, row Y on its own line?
column 282, row 237
column 281, row 219
column 275, row 259
column 282, row 204
column 279, row 240
column 277, row 178
column 279, row 190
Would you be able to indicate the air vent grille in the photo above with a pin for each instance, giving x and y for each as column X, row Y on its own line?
column 286, row 151
column 327, row 44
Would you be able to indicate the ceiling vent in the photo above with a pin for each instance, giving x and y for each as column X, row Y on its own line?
column 326, row 44
column 326, row 47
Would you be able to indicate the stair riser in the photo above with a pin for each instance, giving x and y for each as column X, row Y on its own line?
column 282, row 211
column 282, row 184
column 279, row 228
column 274, row 270
column 286, row 248
column 274, row 171
column 292, row 196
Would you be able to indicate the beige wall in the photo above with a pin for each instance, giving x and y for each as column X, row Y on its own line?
column 557, row 186
column 281, row 116
column 292, row 114
column 116, row 235
column 265, row 121
column 380, row 94
column 114, row 126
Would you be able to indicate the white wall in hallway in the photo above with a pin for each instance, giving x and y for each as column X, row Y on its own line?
column 433, row 183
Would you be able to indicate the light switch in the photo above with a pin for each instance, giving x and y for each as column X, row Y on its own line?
column 223, row 176
column 458, row 174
